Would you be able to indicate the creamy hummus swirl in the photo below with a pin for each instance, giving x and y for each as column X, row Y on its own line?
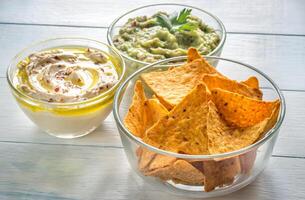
column 66, row 75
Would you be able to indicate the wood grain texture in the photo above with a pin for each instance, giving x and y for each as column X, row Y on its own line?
column 31, row 171
column 274, row 16
column 277, row 56
column 290, row 142
column 34, row 165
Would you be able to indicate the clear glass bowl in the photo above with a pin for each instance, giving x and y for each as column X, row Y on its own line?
column 133, row 64
column 237, row 169
column 66, row 120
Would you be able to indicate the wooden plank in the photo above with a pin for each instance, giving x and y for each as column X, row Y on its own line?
column 281, row 17
column 31, row 171
column 277, row 56
column 282, row 58
column 290, row 142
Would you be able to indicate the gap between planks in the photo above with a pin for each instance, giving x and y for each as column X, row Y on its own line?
column 106, row 27
column 115, row 147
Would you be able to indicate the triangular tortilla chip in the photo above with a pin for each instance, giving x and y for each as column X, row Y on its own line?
column 187, row 173
column 247, row 161
column 272, row 119
column 143, row 113
column 220, row 173
column 173, row 85
column 161, row 161
column 223, row 138
column 161, row 166
column 178, row 181
column 215, row 81
column 162, row 173
column 240, row 110
column 251, row 82
column 145, row 157
column 193, row 54
column 183, row 130
column 155, row 110
column 135, row 120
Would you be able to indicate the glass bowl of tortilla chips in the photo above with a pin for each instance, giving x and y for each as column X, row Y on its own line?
column 192, row 130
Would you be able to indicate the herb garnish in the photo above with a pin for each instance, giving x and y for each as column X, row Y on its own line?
column 176, row 21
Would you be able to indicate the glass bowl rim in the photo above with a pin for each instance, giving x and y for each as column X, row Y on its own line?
column 111, row 27
column 268, row 135
column 89, row 101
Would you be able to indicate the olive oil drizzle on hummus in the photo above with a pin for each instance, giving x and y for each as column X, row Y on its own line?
column 66, row 74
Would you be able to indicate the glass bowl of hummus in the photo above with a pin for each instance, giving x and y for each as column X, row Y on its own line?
column 159, row 31
column 66, row 85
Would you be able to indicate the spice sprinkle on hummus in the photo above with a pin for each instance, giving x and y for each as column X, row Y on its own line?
column 66, row 74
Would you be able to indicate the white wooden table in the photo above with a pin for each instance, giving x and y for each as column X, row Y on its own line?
column 33, row 165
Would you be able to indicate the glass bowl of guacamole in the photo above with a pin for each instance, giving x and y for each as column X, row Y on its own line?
column 159, row 31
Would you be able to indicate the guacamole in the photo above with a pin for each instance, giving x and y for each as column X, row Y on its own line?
column 165, row 35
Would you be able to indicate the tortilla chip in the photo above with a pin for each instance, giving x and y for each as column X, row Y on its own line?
column 273, row 119
column 251, row 82
column 135, row 120
column 223, row 138
column 240, row 110
column 162, row 173
column 173, row 85
column 143, row 113
column 139, row 151
column 220, row 173
column 161, row 167
column 215, row 81
column 178, row 181
column 186, row 173
column 166, row 168
column 192, row 54
column 155, row 110
column 183, row 130
column 145, row 158
column 198, row 164
column 161, row 161
column 247, row 161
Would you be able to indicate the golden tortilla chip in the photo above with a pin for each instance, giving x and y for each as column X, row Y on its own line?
column 145, row 157
column 161, row 161
column 247, row 161
column 251, row 82
column 223, row 138
column 240, row 110
column 173, row 85
column 143, row 113
column 161, row 167
column 220, row 173
column 135, row 120
column 193, row 54
column 183, row 130
column 187, row 173
column 198, row 164
column 155, row 110
column 152, row 164
column 215, row 81
column 162, row 173
column 272, row 119
column 178, row 181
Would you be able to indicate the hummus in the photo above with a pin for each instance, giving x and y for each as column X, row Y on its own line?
column 66, row 74
column 148, row 39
